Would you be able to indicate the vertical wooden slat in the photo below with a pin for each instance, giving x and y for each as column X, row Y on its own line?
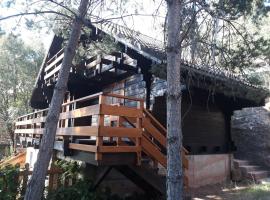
column 25, row 179
column 66, row 182
column 138, row 139
column 52, row 174
column 99, row 140
column 119, row 124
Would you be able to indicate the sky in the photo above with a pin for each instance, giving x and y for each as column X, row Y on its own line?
column 145, row 24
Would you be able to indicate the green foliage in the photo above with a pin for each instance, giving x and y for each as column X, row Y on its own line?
column 88, row 48
column 159, row 70
column 258, row 192
column 19, row 65
column 70, row 169
column 9, row 186
column 238, row 8
column 82, row 190
column 244, row 55
column 255, row 79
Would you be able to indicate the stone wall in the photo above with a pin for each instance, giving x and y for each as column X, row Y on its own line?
column 251, row 134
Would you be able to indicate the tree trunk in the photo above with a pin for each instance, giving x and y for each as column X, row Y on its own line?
column 174, row 131
column 36, row 185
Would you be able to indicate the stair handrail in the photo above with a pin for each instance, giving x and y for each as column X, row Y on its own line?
column 160, row 126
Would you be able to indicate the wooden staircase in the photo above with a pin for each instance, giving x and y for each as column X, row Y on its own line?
column 95, row 125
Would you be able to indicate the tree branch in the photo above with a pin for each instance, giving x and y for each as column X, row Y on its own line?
column 35, row 13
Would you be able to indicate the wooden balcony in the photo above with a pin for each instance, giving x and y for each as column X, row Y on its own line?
column 96, row 69
column 104, row 125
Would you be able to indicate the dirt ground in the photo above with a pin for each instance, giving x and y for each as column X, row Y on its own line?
column 231, row 191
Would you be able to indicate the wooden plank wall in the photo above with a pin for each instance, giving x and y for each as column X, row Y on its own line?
column 133, row 86
column 204, row 128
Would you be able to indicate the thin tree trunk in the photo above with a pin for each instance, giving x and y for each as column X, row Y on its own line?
column 36, row 185
column 174, row 136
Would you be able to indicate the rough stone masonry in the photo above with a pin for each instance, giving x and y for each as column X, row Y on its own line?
column 251, row 134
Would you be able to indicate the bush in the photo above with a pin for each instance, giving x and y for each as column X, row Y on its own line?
column 9, row 183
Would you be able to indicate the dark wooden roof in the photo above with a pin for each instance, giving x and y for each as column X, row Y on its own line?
column 224, row 82
column 155, row 50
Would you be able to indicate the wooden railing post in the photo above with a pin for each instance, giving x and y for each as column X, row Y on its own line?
column 138, row 139
column 66, row 139
column 52, row 174
column 25, row 179
column 99, row 140
column 119, row 124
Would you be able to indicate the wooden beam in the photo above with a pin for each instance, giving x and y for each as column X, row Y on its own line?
column 51, row 73
column 107, row 131
column 118, row 149
column 30, row 121
column 152, row 151
column 153, row 119
column 53, row 63
column 185, row 161
column 99, row 140
column 78, row 131
column 80, row 112
column 120, row 111
column 154, row 132
column 29, row 131
column 123, row 97
column 55, row 56
column 83, row 147
column 71, row 131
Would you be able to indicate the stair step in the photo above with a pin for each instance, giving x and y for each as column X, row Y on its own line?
column 249, row 168
column 238, row 163
column 257, row 175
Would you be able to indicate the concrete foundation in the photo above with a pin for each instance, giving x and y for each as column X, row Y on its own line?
column 208, row 169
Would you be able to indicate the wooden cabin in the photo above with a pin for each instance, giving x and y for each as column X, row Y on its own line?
column 114, row 113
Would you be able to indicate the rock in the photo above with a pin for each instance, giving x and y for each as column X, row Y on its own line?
column 251, row 134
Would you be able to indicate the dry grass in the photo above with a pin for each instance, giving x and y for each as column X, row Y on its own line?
column 232, row 192
column 255, row 192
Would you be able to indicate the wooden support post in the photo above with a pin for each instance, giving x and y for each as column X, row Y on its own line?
column 138, row 139
column 66, row 182
column 25, row 179
column 67, row 108
column 119, row 124
column 67, row 151
column 111, row 120
column 51, row 181
column 52, row 174
column 99, row 139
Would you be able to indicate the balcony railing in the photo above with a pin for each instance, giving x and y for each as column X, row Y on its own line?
column 92, row 117
column 111, row 65
column 105, row 123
